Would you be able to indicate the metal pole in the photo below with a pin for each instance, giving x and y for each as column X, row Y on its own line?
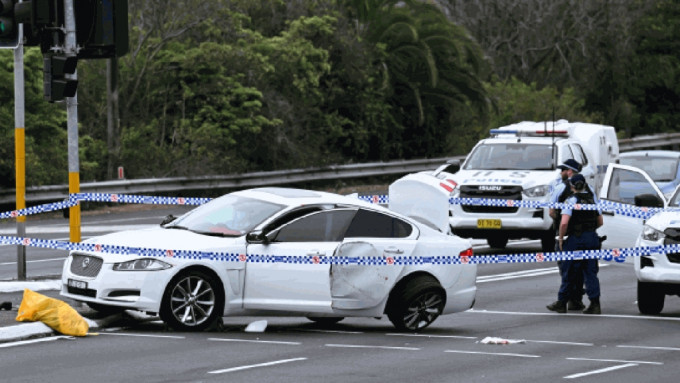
column 20, row 151
column 72, row 125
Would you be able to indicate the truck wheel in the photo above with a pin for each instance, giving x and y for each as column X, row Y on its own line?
column 650, row 298
column 548, row 241
column 415, row 304
column 497, row 242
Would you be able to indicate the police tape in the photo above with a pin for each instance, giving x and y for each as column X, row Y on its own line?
column 617, row 255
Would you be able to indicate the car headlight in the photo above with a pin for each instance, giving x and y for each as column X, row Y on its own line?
column 537, row 191
column 651, row 234
column 144, row 264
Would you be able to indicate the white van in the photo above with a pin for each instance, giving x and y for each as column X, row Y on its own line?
column 519, row 162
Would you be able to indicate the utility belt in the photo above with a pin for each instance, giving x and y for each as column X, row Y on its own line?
column 581, row 228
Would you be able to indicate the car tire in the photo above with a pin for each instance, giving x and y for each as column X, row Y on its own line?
column 326, row 321
column 193, row 301
column 548, row 241
column 650, row 298
column 415, row 304
column 498, row 242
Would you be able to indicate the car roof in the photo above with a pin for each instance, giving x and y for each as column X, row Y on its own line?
column 651, row 153
column 297, row 197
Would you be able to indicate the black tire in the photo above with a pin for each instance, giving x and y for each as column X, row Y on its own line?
column 326, row 321
column 497, row 242
column 650, row 298
column 104, row 309
column 193, row 301
column 548, row 241
column 415, row 304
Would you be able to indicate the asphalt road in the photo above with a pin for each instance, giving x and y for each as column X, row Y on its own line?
column 619, row 345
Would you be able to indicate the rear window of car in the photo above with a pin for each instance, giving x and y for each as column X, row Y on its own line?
column 377, row 225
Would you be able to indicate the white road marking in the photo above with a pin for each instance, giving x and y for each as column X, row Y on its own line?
column 563, row 343
column 240, row 368
column 651, row 348
column 328, row 331
column 39, row 340
column 600, row 371
column 368, row 346
column 673, row 319
column 616, row 361
column 254, row 341
column 433, row 336
column 521, row 274
column 35, row 261
column 494, row 353
column 84, row 229
column 144, row 335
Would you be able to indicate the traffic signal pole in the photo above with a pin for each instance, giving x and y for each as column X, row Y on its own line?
column 20, row 152
column 72, row 124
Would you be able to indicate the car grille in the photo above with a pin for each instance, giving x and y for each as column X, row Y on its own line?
column 498, row 192
column 85, row 265
column 672, row 238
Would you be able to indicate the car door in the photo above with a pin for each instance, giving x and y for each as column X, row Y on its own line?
column 297, row 277
column 622, row 222
column 379, row 240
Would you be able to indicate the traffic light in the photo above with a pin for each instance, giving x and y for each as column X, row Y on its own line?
column 56, row 85
column 9, row 32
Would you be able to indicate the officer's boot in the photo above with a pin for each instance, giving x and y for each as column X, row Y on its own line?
column 558, row 307
column 594, row 307
column 575, row 305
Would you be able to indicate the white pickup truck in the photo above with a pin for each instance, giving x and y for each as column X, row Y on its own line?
column 519, row 162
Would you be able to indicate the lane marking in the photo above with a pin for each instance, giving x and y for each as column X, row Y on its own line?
column 494, row 353
column 240, row 368
column 254, row 341
column 473, row 311
column 616, row 361
column 39, row 340
column 368, row 346
column 144, row 335
column 521, row 274
column 433, row 336
column 651, row 348
column 328, row 331
column 35, row 261
column 564, row 343
column 600, row 371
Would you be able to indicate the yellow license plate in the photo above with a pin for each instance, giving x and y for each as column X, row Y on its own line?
column 488, row 223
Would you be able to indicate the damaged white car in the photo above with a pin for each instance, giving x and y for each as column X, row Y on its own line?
column 260, row 252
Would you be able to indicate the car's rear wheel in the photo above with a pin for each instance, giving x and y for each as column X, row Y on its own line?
column 497, row 242
column 193, row 301
column 650, row 298
column 325, row 321
column 415, row 304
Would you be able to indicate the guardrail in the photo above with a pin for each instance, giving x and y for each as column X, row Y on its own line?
column 38, row 194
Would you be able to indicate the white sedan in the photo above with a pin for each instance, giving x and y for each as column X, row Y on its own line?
column 278, row 252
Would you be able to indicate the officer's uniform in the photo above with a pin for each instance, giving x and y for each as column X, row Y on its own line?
column 582, row 235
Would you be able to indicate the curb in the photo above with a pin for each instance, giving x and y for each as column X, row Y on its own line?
column 35, row 330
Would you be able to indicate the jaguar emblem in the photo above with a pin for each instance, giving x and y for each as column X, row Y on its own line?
column 86, row 262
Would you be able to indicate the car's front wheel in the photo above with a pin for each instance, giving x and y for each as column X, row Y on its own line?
column 193, row 301
column 650, row 298
column 416, row 304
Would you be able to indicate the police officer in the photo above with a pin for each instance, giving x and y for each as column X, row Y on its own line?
column 579, row 225
column 560, row 192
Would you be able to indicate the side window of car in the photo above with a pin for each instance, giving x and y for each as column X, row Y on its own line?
column 566, row 154
column 625, row 185
column 368, row 223
column 579, row 155
column 323, row 226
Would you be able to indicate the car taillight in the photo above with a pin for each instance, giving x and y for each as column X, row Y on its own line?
column 466, row 253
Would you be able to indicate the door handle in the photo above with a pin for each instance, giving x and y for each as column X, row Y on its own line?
column 316, row 253
column 394, row 250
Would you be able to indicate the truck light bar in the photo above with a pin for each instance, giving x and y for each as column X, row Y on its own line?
column 537, row 133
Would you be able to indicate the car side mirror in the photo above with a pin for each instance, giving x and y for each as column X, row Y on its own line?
column 256, row 236
column 168, row 218
column 648, row 200
column 451, row 166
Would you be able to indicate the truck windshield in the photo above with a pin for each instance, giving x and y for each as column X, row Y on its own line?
column 511, row 156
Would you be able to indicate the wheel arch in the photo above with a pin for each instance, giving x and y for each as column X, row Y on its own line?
column 202, row 268
column 405, row 280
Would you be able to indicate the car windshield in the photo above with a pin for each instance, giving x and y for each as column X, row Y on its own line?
column 660, row 169
column 511, row 156
column 229, row 215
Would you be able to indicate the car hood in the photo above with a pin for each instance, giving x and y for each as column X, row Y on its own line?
column 167, row 239
column 662, row 221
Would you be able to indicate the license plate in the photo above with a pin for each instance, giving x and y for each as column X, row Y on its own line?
column 77, row 284
column 488, row 223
